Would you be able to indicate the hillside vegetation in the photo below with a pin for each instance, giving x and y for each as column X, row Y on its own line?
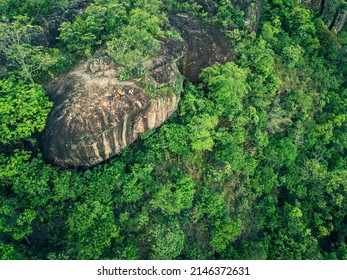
column 252, row 165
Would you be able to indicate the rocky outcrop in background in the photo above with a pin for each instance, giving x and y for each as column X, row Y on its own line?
column 333, row 12
column 252, row 12
column 205, row 45
column 52, row 22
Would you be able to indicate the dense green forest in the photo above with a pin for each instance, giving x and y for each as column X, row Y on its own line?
column 252, row 165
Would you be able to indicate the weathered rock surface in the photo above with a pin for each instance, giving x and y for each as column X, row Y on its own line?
column 252, row 10
column 333, row 12
column 206, row 45
column 314, row 5
column 95, row 115
column 52, row 22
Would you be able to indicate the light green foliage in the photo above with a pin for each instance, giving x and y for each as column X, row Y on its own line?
column 23, row 110
column 224, row 232
column 202, row 132
column 137, row 41
column 227, row 17
column 176, row 138
column 292, row 55
column 173, row 198
column 15, row 44
column 168, row 241
column 88, row 31
column 80, row 37
column 91, row 226
column 145, row 20
column 9, row 252
column 9, row 165
column 32, row 8
column 132, row 48
column 227, row 85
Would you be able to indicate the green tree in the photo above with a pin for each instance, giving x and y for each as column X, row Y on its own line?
column 23, row 110
column 30, row 61
column 91, row 228
column 168, row 241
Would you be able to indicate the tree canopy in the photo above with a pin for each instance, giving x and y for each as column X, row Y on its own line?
column 252, row 165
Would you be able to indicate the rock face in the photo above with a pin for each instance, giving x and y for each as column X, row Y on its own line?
column 335, row 14
column 51, row 23
column 253, row 11
column 95, row 115
column 314, row 5
column 206, row 45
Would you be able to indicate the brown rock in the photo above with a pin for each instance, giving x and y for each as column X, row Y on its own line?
column 206, row 45
column 95, row 115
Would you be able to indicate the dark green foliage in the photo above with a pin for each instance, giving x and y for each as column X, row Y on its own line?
column 251, row 166
column 31, row 8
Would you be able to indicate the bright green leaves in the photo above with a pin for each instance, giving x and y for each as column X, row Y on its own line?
column 130, row 32
column 223, row 233
column 90, row 30
column 202, row 132
column 146, row 20
column 302, row 28
column 137, row 41
column 136, row 183
column 32, row 185
column 9, row 166
column 174, row 197
column 81, row 36
column 292, row 55
column 10, row 252
column 23, row 110
column 252, row 165
column 168, row 241
column 132, row 48
column 91, row 230
column 175, row 138
column 32, row 8
column 227, row 85
column 31, row 62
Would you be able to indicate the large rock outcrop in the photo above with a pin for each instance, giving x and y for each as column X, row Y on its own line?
column 95, row 115
column 206, row 45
